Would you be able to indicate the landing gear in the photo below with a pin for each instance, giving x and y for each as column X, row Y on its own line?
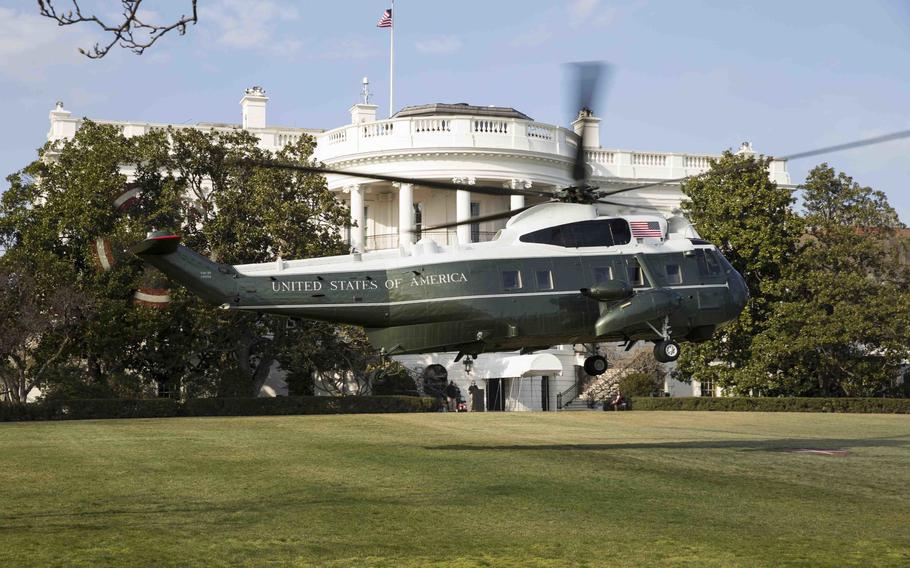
column 595, row 365
column 666, row 351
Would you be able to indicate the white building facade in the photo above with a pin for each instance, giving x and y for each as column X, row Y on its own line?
column 469, row 145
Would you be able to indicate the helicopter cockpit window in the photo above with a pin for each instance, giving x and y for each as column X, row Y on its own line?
column 597, row 233
column 708, row 264
column 674, row 276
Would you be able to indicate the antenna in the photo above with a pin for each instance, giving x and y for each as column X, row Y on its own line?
column 365, row 94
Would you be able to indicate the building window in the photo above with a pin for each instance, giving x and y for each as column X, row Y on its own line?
column 707, row 388
column 511, row 279
column 475, row 227
column 674, row 276
column 603, row 274
column 544, row 280
column 635, row 277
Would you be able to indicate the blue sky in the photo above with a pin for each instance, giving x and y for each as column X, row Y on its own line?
column 694, row 76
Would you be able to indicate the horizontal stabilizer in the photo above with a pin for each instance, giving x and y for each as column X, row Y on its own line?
column 157, row 242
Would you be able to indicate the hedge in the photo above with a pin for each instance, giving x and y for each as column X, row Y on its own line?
column 164, row 408
column 788, row 404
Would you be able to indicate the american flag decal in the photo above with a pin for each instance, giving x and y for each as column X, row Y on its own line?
column 386, row 20
column 645, row 229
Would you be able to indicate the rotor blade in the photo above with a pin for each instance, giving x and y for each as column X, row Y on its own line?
column 587, row 76
column 484, row 219
column 849, row 145
column 434, row 184
column 795, row 156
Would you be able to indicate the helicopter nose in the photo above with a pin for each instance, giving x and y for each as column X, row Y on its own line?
column 738, row 289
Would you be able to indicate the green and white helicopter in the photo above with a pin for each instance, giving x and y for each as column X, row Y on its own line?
column 567, row 271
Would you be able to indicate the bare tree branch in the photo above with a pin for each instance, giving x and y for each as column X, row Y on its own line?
column 132, row 33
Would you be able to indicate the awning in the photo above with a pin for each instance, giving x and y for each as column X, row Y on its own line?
column 496, row 365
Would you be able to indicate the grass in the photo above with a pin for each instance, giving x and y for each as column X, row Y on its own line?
column 458, row 490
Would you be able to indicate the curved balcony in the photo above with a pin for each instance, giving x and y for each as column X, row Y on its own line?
column 445, row 132
column 543, row 151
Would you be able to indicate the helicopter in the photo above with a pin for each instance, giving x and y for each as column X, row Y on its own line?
column 570, row 270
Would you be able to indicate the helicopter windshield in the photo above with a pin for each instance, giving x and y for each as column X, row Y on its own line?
column 597, row 233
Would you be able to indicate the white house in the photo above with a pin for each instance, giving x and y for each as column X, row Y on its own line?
column 467, row 144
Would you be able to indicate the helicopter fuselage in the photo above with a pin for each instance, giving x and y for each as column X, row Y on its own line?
column 528, row 289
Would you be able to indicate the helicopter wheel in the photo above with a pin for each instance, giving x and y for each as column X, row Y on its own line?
column 595, row 365
column 666, row 351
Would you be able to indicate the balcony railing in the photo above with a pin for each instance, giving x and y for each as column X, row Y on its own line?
column 508, row 136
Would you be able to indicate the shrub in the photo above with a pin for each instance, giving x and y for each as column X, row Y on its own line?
column 788, row 404
column 162, row 408
column 306, row 405
column 637, row 384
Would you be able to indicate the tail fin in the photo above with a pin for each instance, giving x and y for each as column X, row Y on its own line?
column 215, row 283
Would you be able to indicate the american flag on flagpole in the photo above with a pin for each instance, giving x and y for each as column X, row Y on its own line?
column 645, row 229
column 386, row 20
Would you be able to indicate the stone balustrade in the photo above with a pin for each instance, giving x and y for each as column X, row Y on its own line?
column 510, row 137
column 270, row 138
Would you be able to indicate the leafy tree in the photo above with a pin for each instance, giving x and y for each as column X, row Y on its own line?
column 59, row 205
column 750, row 219
column 843, row 326
column 828, row 312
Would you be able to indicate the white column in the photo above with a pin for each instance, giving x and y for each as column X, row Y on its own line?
column 357, row 218
column 405, row 213
column 463, row 213
column 516, row 202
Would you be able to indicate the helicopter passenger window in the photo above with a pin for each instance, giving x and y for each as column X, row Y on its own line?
column 597, row 233
column 635, row 277
column 511, row 279
column 544, row 280
column 603, row 274
column 674, row 276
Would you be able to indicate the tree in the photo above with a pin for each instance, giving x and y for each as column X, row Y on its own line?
column 133, row 32
column 750, row 219
column 827, row 314
column 39, row 316
column 334, row 359
column 59, row 205
column 842, row 327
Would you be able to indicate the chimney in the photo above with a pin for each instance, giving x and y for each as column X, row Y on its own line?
column 63, row 125
column 364, row 111
column 590, row 125
column 253, row 105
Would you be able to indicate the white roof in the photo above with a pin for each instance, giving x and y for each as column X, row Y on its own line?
column 516, row 366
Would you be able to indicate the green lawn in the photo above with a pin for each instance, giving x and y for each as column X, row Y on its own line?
column 522, row 489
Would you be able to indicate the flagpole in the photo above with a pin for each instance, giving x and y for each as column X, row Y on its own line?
column 392, row 63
